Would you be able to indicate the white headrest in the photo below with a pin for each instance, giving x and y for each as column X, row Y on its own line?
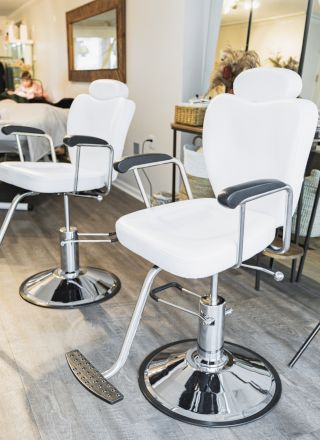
column 267, row 84
column 108, row 89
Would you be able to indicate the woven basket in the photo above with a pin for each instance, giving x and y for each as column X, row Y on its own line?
column 200, row 188
column 310, row 187
column 190, row 114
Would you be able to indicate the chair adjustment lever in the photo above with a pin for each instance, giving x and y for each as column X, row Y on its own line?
column 97, row 194
column 98, row 197
column 113, row 238
column 175, row 285
column 155, row 295
column 277, row 276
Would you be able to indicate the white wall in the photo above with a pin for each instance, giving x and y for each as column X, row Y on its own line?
column 3, row 25
column 154, row 75
column 165, row 50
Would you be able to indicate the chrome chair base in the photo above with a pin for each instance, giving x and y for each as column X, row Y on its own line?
column 53, row 288
column 243, row 390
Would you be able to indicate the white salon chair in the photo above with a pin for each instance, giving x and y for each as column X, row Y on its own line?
column 97, row 126
column 256, row 145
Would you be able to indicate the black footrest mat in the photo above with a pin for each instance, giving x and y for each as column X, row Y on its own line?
column 91, row 378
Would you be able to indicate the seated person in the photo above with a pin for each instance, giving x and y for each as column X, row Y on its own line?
column 30, row 91
column 28, row 88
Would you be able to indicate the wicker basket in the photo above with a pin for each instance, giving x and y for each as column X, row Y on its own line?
column 190, row 114
column 310, row 187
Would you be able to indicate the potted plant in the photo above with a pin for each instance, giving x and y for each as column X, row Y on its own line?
column 232, row 63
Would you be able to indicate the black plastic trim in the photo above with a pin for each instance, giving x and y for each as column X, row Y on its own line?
column 157, row 290
column 124, row 164
column 10, row 129
column 233, row 196
column 176, row 416
column 72, row 141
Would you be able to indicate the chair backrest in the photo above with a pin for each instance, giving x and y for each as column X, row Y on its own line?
column 262, row 131
column 106, row 113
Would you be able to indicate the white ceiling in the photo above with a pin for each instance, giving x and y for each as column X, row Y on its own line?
column 266, row 9
column 8, row 6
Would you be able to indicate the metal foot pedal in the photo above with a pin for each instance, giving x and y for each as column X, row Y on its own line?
column 91, row 378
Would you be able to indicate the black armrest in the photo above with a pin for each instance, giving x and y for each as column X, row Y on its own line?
column 234, row 195
column 72, row 141
column 9, row 129
column 124, row 165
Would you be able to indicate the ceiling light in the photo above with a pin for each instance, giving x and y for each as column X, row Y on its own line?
column 232, row 5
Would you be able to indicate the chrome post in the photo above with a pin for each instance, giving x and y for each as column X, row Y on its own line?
column 141, row 188
column 184, row 178
column 241, row 234
column 69, row 248
column 133, row 326
column 153, row 164
column 69, row 252
column 214, row 290
column 288, row 224
column 286, row 240
column 211, row 328
column 66, row 211
column 19, row 148
column 76, row 177
column 52, row 149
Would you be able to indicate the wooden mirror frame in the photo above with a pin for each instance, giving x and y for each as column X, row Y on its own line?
column 90, row 10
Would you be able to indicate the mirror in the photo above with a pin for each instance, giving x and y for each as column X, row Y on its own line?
column 96, row 41
column 258, row 32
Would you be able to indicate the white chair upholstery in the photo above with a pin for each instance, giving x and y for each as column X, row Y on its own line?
column 259, row 136
column 193, row 238
column 267, row 84
column 106, row 114
column 48, row 177
column 243, row 140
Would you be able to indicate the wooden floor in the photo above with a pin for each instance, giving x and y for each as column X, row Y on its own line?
column 40, row 398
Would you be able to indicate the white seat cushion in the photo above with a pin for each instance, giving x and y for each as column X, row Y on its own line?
column 194, row 238
column 49, row 177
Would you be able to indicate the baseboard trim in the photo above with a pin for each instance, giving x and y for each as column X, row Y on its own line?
column 128, row 189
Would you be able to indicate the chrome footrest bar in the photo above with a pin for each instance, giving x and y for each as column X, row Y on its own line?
column 175, row 285
column 155, row 295
column 113, row 238
column 91, row 378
